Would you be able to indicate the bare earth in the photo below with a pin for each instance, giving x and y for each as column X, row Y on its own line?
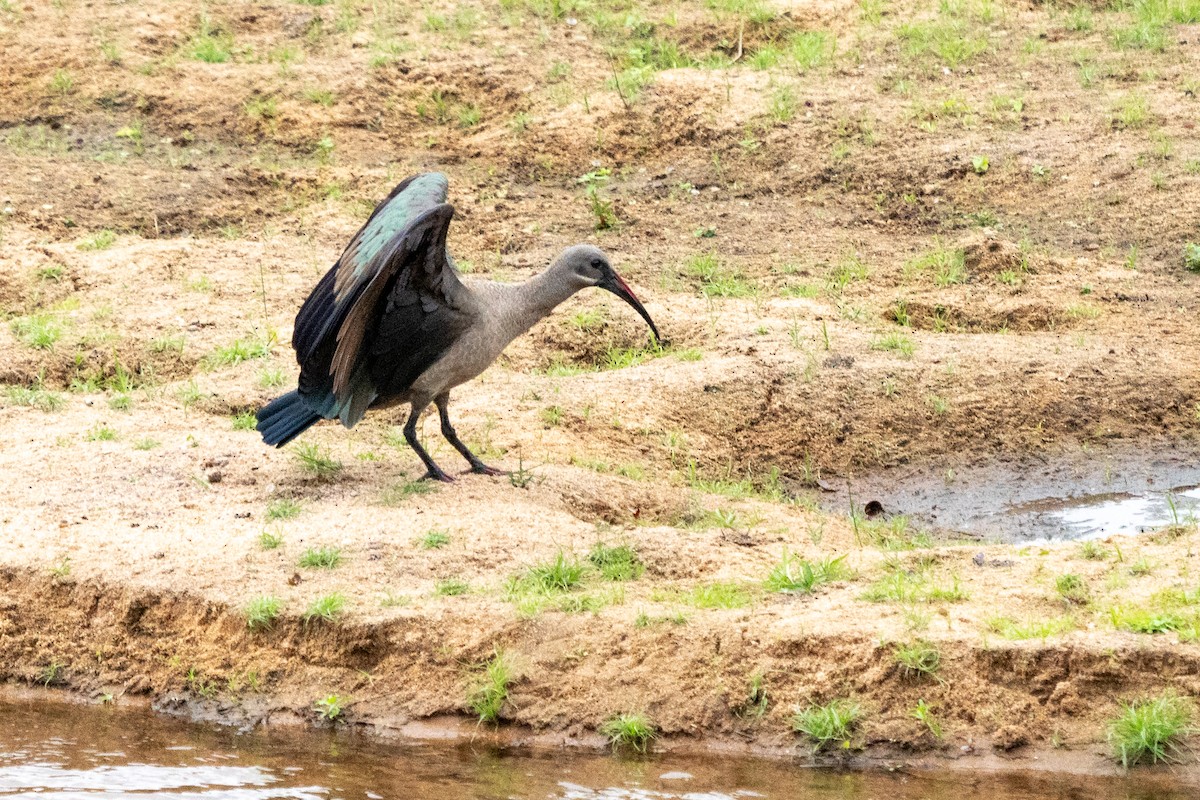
column 882, row 255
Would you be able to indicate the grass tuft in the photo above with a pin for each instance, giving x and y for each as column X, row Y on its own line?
column 262, row 611
column 793, row 574
column 489, row 691
column 313, row 460
column 833, row 722
column 326, row 608
column 633, row 731
column 1150, row 729
column 321, row 558
column 619, row 563
column 919, row 658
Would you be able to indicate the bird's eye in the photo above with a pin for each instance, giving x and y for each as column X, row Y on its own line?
column 597, row 264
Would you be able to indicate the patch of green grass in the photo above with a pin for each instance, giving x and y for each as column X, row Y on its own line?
column 283, row 508
column 35, row 397
column 490, row 689
column 270, row 377
column 795, row 575
column 951, row 42
column 717, row 595
column 811, row 49
column 891, row 533
column 434, row 539
column 397, row 494
column 781, row 106
column 1093, row 551
column 312, row 459
column 451, row 587
column 244, row 421
column 715, row 279
column 321, row 557
column 634, row 731
column 1018, row 630
column 1131, row 111
column 616, row 563
column 904, row 586
column 210, row 44
column 270, row 539
column 1072, row 588
column 39, row 331
column 1151, row 728
column 561, row 574
column 100, row 432
column 62, row 82
column 240, row 350
column 833, row 722
column 894, row 343
column 947, row 265
column 919, row 658
column 262, row 611
column 326, row 608
column 146, row 443
column 1138, row 619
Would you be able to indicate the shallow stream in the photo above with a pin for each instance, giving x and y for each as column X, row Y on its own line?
column 1088, row 494
column 71, row 752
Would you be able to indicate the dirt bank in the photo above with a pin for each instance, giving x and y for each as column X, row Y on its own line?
column 874, row 235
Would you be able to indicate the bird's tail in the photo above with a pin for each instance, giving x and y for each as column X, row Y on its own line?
column 285, row 418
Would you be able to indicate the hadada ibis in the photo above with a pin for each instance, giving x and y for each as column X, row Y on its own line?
column 393, row 321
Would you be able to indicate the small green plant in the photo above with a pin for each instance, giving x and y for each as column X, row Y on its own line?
column 36, row 397
column 39, row 331
column 313, row 460
column 52, row 673
column 240, row 350
column 331, row 707
column 262, row 611
column 561, row 574
column 619, row 563
column 62, row 569
column 924, row 715
column 919, row 658
column 326, row 608
column 552, row 416
column 633, row 731
column 1072, row 588
column 1019, row 630
column 947, row 265
column 896, row 343
column 718, row 595
column 1093, row 551
column 490, row 689
column 832, row 722
column 980, row 164
column 782, row 105
column 321, row 558
column 757, row 701
column 62, row 82
column 146, row 444
column 600, row 206
column 283, row 508
column 434, row 539
column 1151, row 728
column 270, row 540
column 451, row 587
column 1191, row 257
column 793, row 574
column 209, row 44
column 100, row 432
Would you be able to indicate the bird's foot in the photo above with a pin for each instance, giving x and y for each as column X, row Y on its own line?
column 437, row 475
column 480, row 468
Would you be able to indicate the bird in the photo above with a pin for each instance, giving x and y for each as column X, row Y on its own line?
column 394, row 322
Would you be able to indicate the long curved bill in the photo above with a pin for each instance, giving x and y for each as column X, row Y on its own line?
column 621, row 289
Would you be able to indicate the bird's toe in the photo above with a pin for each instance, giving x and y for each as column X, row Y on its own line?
column 431, row 475
column 484, row 469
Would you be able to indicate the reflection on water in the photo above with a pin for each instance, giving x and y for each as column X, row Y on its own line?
column 1105, row 515
column 61, row 752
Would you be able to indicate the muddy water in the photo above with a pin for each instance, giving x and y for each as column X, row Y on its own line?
column 1069, row 496
column 70, row 752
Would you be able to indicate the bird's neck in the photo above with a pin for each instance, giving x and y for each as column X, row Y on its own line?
column 534, row 299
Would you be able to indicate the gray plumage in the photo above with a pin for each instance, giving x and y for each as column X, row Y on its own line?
column 392, row 322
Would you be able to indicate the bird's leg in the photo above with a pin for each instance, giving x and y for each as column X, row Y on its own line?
column 443, row 406
column 433, row 471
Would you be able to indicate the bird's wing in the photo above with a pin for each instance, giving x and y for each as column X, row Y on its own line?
column 401, row 246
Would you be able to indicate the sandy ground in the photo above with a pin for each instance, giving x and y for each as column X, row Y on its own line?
column 884, row 256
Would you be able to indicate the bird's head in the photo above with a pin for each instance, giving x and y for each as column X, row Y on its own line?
column 589, row 266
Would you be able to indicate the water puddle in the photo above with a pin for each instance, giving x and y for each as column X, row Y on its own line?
column 1084, row 495
column 68, row 752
